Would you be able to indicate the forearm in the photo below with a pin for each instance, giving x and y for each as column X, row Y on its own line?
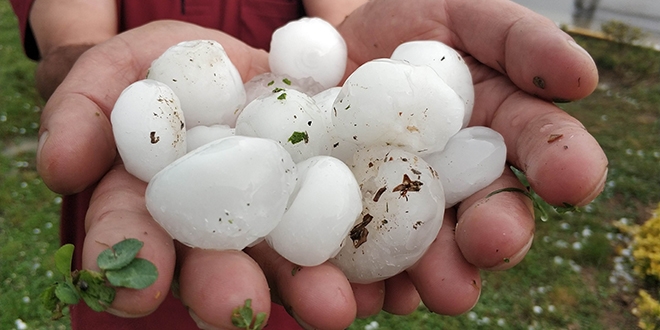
column 54, row 66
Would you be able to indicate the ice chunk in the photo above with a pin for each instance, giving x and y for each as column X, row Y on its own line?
column 472, row 160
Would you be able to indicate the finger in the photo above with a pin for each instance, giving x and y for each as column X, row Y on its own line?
column 317, row 297
column 401, row 297
column 529, row 48
column 117, row 211
column 76, row 146
column 446, row 282
column 495, row 231
column 369, row 298
column 214, row 283
column 539, row 57
column 564, row 164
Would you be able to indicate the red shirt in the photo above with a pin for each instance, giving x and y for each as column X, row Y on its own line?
column 252, row 21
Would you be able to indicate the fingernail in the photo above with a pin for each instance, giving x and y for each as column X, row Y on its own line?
column 575, row 45
column 302, row 323
column 516, row 258
column 598, row 189
column 200, row 324
column 119, row 313
column 42, row 141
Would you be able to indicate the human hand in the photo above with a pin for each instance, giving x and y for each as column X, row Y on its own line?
column 77, row 149
column 79, row 98
column 520, row 62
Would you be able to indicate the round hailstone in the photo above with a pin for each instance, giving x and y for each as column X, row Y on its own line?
column 223, row 195
column 325, row 100
column 403, row 209
column 309, row 47
column 389, row 102
column 322, row 210
column 201, row 135
column 290, row 118
column 207, row 82
column 447, row 62
column 341, row 148
column 265, row 83
column 148, row 127
column 472, row 159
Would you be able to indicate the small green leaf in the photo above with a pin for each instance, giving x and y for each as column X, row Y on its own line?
column 94, row 290
column 246, row 313
column 297, row 137
column 63, row 259
column 271, row 82
column 48, row 298
column 138, row 274
column 120, row 255
column 243, row 317
column 282, row 96
column 286, row 81
column 278, row 89
column 566, row 208
column 67, row 293
column 259, row 321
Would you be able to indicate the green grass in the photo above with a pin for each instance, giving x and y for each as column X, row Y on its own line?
column 29, row 212
column 570, row 288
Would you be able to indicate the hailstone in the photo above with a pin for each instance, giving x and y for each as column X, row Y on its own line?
column 205, row 80
column 403, row 209
column 225, row 194
column 472, row 159
column 309, row 47
column 201, row 135
column 389, row 102
column 149, row 128
column 265, row 83
column 290, row 118
column 342, row 149
column 447, row 62
column 322, row 210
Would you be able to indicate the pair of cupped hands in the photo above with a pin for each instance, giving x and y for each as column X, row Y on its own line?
column 520, row 63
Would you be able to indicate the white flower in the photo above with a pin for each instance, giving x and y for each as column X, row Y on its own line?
column 537, row 310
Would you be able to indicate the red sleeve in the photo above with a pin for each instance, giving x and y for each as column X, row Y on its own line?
column 22, row 11
column 252, row 21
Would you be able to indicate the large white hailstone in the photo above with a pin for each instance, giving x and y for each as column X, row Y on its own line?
column 322, row 210
column 149, row 128
column 289, row 117
column 390, row 102
column 341, row 148
column 224, row 195
column 265, row 83
column 309, row 47
column 403, row 209
column 447, row 62
column 325, row 100
column 207, row 82
column 472, row 160
column 201, row 135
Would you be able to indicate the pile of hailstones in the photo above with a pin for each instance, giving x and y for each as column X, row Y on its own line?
column 359, row 174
